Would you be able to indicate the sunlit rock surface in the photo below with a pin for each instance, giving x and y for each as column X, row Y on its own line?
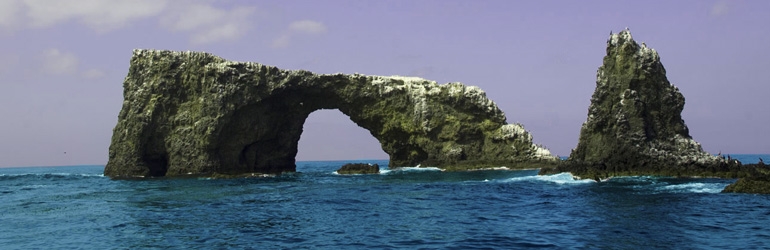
column 196, row 113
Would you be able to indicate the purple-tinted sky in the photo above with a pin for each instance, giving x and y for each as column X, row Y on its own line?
column 62, row 62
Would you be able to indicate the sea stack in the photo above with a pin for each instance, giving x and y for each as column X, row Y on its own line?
column 634, row 123
column 196, row 113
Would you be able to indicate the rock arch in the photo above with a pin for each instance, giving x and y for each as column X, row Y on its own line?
column 330, row 135
column 195, row 113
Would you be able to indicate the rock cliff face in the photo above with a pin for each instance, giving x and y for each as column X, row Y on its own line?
column 634, row 123
column 195, row 113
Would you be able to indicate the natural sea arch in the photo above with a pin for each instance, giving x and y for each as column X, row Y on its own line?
column 329, row 135
column 196, row 113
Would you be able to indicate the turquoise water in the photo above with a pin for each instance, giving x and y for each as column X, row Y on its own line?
column 76, row 207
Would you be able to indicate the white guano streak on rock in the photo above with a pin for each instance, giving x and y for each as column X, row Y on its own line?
column 417, row 88
column 644, row 55
column 421, row 87
column 512, row 131
column 623, row 35
column 542, row 153
column 516, row 130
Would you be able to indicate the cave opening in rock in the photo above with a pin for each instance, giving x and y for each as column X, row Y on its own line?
column 157, row 165
column 328, row 134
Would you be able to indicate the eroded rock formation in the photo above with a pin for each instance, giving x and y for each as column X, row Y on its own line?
column 196, row 113
column 634, row 123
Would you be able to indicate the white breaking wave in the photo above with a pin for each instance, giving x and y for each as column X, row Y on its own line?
column 76, row 174
column 695, row 188
column 336, row 173
column 663, row 185
column 562, row 178
column 51, row 174
column 410, row 169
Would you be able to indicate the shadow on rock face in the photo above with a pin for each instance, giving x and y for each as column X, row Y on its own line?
column 196, row 113
column 635, row 126
column 634, row 123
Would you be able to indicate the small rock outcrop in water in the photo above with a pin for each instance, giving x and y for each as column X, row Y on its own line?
column 359, row 168
column 634, row 124
column 757, row 181
column 196, row 113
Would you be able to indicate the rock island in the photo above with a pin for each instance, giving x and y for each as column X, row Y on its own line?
column 196, row 113
column 635, row 127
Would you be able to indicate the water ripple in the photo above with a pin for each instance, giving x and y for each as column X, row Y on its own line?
column 414, row 209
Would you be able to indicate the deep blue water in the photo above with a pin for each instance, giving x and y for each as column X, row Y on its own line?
column 76, row 207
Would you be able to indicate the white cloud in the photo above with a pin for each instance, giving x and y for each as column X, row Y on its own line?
column 719, row 8
column 8, row 63
column 100, row 15
column 93, row 74
column 56, row 62
column 282, row 41
column 193, row 17
column 207, row 23
column 9, row 10
column 422, row 71
column 307, row 27
column 200, row 19
column 228, row 31
column 59, row 63
column 303, row 27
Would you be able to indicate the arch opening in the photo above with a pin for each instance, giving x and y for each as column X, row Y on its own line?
column 239, row 118
column 329, row 134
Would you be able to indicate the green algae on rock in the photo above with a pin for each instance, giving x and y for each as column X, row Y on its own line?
column 634, row 123
column 749, row 185
column 758, row 182
column 196, row 113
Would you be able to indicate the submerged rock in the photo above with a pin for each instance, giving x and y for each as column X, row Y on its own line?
column 193, row 112
column 634, row 123
column 359, row 168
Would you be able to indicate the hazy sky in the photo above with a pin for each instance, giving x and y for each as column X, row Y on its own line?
column 62, row 62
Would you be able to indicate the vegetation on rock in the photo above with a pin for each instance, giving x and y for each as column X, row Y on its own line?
column 634, row 120
column 192, row 113
column 195, row 113
column 635, row 127
column 758, row 181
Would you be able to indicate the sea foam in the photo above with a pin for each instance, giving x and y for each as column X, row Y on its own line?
column 562, row 178
column 47, row 176
column 665, row 185
column 696, row 187
column 410, row 169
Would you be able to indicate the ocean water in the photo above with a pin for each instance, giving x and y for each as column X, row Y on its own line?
column 75, row 207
